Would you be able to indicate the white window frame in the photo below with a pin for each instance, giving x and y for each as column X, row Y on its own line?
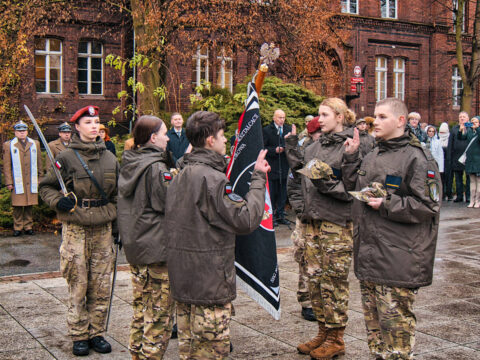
column 457, row 87
column 454, row 15
column 89, row 57
column 199, row 57
column 380, row 72
column 223, row 61
column 387, row 10
column 47, row 53
column 347, row 7
column 399, row 78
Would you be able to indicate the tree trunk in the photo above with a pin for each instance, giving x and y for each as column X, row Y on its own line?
column 467, row 98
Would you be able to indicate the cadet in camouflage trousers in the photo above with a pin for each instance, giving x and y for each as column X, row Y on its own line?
column 329, row 255
column 299, row 250
column 86, row 258
column 152, row 311
column 203, row 331
column 389, row 319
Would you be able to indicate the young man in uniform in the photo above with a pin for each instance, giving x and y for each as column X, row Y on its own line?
column 57, row 146
column 202, row 216
column 22, row 166
column 395, row 236
column 86, row 254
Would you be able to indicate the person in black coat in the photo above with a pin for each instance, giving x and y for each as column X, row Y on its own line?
column 274, row 142
column 456, row 148
column 178, row 143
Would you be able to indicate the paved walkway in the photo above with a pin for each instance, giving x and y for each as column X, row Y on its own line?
column 33, row 307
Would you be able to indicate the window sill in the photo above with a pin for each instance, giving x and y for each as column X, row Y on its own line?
column 48, row 96
column 91, row 97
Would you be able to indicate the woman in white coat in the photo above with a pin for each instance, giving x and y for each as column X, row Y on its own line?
column 435, row 146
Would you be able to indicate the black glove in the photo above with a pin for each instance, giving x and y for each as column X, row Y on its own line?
column 65, row 204
column 117, row 241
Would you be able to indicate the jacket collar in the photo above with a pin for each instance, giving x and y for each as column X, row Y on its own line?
column 206, row 157
column 334, row 138
column 398, row 142
column 89, row 149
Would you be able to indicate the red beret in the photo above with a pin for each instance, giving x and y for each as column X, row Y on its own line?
column 86, row 111
column 313, row 125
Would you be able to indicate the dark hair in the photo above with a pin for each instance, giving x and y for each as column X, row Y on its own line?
column 201, row 125
column 145, row 126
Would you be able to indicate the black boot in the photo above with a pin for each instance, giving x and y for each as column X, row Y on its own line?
column 174, row 332
column 100, row 345
column 308, row 314
column 17, row 233
column 80, row 348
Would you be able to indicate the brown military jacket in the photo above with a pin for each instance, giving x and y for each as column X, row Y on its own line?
column 105, row 168
column 56, row 147
column 142, row 189
column 395, row 245
column 27, row 198
column 202, row 218
column 324, row 200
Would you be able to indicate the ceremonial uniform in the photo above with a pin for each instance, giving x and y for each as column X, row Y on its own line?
column 142, row 186
column 22, row 166
column 86, row 253
column 57, row 146
column 202, row 218
column 394, row 245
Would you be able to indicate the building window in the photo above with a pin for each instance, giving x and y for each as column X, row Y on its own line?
column 350, row 6
column 225, row 72
column 455, row 11
column 399, row 78
column 48, row 66
column 200, row 67
column 457, row 87
column 90, row 68
column 389, row 9
column 381, row 78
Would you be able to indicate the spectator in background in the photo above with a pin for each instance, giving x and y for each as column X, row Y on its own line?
column 178, row 143
column 423, row 126
column 304, row 134
column 433, row 144
column 443, row 134
column 456, row 147
column 103, row 132
column 370, row 128
column 367, row 142
column 274, row 142
column 413, row 124
column 472, row 164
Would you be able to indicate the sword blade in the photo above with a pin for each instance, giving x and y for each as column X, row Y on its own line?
column 47, row 149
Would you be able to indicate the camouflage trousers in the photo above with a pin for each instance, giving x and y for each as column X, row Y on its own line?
column 153, row 306
column 203, row 331
column 299, row 247
column 329, row 255
column 389, row 319
column 86, row 258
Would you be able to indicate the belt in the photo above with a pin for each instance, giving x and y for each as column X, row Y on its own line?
column 88, row 203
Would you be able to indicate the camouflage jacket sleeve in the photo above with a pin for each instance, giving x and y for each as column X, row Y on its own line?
column 350, row 165
column 231, row 212
column 294, row 153
column 417, row 206
column 49, row 188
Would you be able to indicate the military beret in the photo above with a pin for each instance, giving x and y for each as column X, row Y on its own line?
column 20, row 126
column 86, row 111
column 64, row 127
column 313, row 125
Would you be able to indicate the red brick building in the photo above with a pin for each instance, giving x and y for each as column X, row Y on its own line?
column 403, row 48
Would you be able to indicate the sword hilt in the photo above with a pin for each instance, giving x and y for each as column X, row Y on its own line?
column 72, row 194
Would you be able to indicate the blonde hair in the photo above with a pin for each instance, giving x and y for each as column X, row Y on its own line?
column 340, row 108
column 397, row 106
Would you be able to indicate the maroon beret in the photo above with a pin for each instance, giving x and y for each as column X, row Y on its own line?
column 313, row 125
column 86, row 111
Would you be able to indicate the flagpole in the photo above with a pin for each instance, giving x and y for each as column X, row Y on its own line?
column 260, row 77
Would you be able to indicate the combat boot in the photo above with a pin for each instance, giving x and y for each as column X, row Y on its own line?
column 100, row 345
column 80, row 348
column 318, row 340
column 333, row 345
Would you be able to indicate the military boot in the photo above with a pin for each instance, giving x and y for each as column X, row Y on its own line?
column 318, row 340
column 333, row 345
column 80, row 348
column 100, row 345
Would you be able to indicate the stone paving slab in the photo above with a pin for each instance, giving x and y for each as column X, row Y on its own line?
column 33, row 309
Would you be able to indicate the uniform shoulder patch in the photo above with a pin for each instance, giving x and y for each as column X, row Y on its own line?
column 231, row 195
column 167, row 176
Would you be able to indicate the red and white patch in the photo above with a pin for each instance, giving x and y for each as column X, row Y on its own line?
column 228, row 189
column 58, row 165
column 431, row 174
column 167, row 176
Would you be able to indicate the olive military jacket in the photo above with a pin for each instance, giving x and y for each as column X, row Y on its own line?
column 56, row 147
column 395, row 245
column 294, row 181
column 27, row 198
column 202, row 218
column 105, row 168
column 142, row 189
column 367, row 142
column 324, row 200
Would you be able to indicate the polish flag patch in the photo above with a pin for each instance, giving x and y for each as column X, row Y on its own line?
column 167, row 176
column 431, row 174
column 228, row 189
column 58, row 165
